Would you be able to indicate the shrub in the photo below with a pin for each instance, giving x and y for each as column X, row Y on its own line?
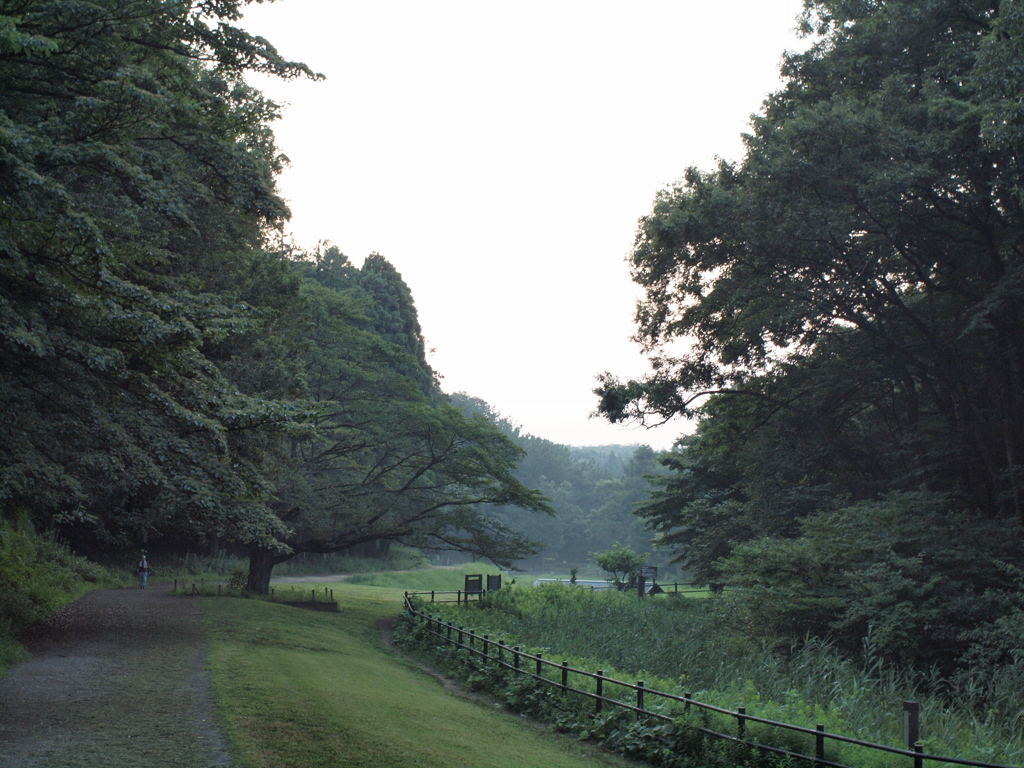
column 38, row 574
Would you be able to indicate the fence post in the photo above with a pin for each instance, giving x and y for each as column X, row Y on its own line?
column 600, row 691
column 515, row 657
column 819, row 742
column 687, row 697
column 458, row 597
column 540, row 672
column 431, row 595
column 501, row 654
column 740, row 720
column 911, row 724
column 460, row 635
column 487, row 641
column 565, row 677
column 639, row 695
column 918, row 755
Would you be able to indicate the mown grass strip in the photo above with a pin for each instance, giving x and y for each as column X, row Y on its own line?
column 313, row 690
column 441, row 579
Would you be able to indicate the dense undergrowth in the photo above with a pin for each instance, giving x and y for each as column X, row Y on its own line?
column 680, row 645
column 39, row 574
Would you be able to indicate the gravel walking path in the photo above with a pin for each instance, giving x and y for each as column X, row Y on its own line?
column 115, row 679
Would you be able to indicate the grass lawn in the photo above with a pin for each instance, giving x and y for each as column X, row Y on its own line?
column 305, row 689
column 440, row 579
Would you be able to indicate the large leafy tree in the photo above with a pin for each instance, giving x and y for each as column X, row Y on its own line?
column 842, row 309
column 134, row 164
column 384, row 459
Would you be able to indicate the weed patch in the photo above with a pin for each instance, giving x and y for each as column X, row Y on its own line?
column 679, row 647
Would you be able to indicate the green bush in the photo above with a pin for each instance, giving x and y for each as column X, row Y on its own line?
column 37, row 575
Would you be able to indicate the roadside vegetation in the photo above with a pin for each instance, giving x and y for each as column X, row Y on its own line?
column 681, row 645
column 38, row 574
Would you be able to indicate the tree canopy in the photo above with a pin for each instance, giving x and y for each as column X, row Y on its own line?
column 166, row 372
column 135, row 163
column 841, row 310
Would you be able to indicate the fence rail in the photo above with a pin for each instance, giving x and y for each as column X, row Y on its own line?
column 440, row 596
column 495, row 651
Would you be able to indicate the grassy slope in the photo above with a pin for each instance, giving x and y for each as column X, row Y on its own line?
column 306, row 689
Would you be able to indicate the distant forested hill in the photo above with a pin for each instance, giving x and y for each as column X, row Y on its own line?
column 593, row 490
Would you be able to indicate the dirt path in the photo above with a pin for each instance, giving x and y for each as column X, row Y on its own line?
column 115, row 679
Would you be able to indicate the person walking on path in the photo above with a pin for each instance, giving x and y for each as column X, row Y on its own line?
column 143, row 570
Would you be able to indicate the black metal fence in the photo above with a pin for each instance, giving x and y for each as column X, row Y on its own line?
column 559, row 675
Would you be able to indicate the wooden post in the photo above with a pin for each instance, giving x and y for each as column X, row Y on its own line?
column 918, row 755
column 639, row 695
column 458, row 597
column 600, row 691
column 565, row 677
column 515, row 656
column 819, row 742
column 911, row 724
column 431, row 595
column 740, row 720
column 687, row 697
column 540, row 666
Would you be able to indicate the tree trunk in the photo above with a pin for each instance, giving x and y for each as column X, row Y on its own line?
column 261, row 564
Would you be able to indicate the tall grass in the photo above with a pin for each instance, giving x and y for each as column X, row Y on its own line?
column 38, row 574
column 683, row 642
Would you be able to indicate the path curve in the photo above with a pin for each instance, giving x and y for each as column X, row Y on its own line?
column 115, row 679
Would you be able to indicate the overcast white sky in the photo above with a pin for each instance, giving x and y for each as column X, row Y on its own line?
column 499, row 154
